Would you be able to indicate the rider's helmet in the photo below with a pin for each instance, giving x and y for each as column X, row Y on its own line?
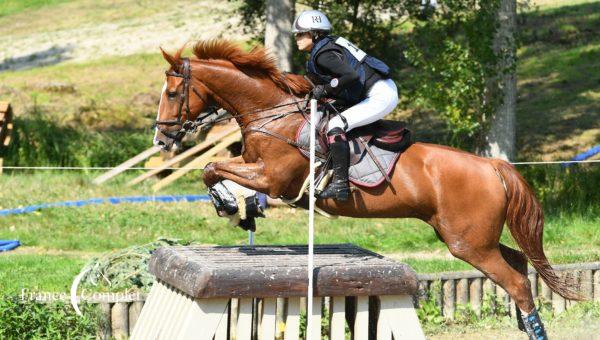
column 311, row 21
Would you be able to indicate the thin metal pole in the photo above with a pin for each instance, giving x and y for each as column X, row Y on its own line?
column 311, row 220
column 250, row 238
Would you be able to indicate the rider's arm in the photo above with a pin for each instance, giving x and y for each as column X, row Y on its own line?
column 333, row 62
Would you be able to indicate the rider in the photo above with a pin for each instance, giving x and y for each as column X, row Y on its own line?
column 343, row 72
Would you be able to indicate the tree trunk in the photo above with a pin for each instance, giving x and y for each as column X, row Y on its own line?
column 500, row 139
column 278, row 36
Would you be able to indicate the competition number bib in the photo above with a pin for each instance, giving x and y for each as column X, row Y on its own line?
column 356, row 52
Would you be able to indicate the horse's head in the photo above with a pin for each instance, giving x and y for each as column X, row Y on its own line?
column 222, row 75
column 182, row 101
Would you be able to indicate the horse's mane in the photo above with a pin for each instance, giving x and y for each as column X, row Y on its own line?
column 257, row 61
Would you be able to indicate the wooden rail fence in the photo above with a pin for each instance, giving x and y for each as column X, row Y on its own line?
column 451, row 289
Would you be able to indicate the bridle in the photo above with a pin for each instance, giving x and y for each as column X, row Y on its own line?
column 184, row 98
column 191, row 126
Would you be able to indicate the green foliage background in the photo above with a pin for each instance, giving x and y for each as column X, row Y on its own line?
column 38, row 140
column 444, row 62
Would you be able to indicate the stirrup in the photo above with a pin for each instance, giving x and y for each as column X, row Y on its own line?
column 339, row 191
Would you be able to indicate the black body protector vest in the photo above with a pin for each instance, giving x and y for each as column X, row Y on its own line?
column 357, row 58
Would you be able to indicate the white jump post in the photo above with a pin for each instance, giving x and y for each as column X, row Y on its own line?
column 311, row 219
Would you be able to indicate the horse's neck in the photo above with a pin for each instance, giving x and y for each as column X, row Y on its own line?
column 240, row 93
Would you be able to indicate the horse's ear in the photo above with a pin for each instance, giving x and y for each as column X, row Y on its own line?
column 169, row 58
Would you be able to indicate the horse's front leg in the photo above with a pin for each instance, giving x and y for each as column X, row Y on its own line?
column 249, row 175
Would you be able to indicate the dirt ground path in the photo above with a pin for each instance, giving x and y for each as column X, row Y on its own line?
column 87, row 30
column 554, row 332
column 25, row 250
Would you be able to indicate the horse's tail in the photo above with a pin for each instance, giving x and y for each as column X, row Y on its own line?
column 525, row 219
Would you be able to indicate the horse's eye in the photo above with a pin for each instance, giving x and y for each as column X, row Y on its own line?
column 171, row 95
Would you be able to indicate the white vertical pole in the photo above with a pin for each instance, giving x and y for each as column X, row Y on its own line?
column 311, row 217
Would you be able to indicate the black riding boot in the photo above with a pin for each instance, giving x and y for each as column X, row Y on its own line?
column 338, row 188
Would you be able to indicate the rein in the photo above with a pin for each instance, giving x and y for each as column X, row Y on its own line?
column 279, row 136
column 259, row 111
column 191, row 126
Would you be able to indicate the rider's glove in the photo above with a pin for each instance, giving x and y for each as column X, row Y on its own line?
column 319, row 92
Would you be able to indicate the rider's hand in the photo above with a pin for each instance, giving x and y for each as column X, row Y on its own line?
column 319, row 92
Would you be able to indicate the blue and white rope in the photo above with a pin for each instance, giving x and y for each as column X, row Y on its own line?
column 111, row 200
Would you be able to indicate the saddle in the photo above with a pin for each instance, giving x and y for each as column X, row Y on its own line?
column 374, row 149
column 386, row 134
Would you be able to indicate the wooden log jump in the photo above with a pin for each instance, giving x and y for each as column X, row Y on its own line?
column 250, row 292
column 220, row 137
column 6, row 127
column 201, row 160
column 479, row 286
column 127, row 164
column 6, row 123
column 209, row 141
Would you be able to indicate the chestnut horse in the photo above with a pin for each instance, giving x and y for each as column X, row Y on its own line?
column 466, row 199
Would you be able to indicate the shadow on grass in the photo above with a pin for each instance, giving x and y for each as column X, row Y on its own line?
column 559, row 80
column 50, row 56
column 566, row 26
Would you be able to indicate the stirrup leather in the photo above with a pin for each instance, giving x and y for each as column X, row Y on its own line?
column 340, row 154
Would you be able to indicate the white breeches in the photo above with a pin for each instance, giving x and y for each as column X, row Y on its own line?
column 381, row 100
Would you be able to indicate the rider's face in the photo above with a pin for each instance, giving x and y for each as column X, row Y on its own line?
column 304, row 41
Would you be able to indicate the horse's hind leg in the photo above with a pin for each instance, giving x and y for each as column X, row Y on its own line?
column 480, row 247
column 493, row 263
column 518, row 261
column 507, row 268
column 471, row 228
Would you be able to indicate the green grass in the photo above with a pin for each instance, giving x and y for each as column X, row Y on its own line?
column 22, row 273
column 140, row 223
column 549, row 4
column 123, row 93
column 435, row 266
column 581, row 321
column 90, row 230
column 9, row 7
column 121, row 225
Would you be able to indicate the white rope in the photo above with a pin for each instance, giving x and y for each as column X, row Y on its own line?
column 556, row 162
column 88, row 168
column 197, row 168
column 311, row 220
